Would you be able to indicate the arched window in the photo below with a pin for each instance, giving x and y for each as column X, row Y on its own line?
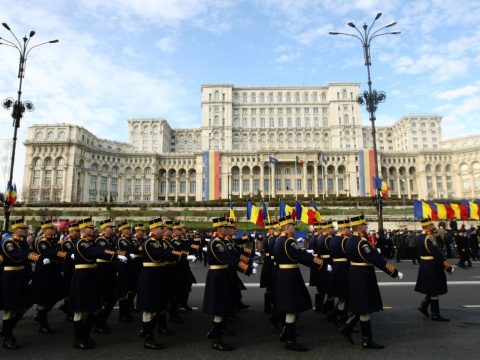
column 279, row 97
column 60, row 162
column 104, row 168
column 61, row 135
column 114, row 170
column 50, row 136
column 138, row 171
column 94, row 167
column 39, row 136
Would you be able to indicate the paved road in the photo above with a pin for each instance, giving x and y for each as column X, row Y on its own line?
column 401, row 328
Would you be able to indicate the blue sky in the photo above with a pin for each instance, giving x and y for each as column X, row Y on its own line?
column 120, row 59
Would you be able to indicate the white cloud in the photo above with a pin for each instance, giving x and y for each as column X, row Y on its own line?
column 284, row 58
column 464, row 91
column 166, row 44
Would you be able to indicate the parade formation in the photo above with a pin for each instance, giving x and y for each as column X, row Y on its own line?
column 146, row 268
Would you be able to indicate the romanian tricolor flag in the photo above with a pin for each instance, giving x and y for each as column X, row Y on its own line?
column 254, row 214
column 366, row 169
column 473, row 207
column 421, row 209
column 434, row 210
column 442, row 212
column 285, row 210
column 11, row 194
column 304, row 214
column 211, row 174
column 266, row 215
column 318, row 217
column 232, row 215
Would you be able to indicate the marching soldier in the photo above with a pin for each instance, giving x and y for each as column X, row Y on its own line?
column 152, row 298
column 219, row 299
column 47, row 279
column 267, row 269
column 85, row 296
column 107, row 276
column 340, row 265
column 364, row 295
column 291, row 294
column 17, row 257
column 68, row 245
column 128, row 272
column 431, row 279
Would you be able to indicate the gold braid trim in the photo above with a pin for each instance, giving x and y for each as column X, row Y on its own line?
column 390, row 267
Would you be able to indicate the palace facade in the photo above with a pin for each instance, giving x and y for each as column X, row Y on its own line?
column 271, row 141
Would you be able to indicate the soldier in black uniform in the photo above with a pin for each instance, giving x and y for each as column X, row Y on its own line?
column 364, row 295
column 85, row 299
column 219, row 299
column 107, row 277
column 463, row 248
column 431, row 279
column 47, row 280
column 267, row 269
column 339, row 277
column 291, row 294
column 152, row 298
column 17, row 298
column 67, row 244
column 128, row 272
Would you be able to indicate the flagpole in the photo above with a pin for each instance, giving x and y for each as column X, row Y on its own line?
column 295, row 178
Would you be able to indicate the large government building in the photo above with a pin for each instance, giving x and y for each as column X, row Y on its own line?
column 272, row 141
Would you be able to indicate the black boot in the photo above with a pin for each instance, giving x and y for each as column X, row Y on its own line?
column 342, row 317
column 367, row 342
column 124, row 311
column 328, row 306
column 101, row 326
column 90, row 321
column 319, row 302
column 43, row 321
column 9, row 342
column 148, row 332
column 291, row 341
column 267, row 304
column 424, row 306
column 162, row 325
column 346, row 329
column 79, row 341
column 216, row 335
column 435, row 307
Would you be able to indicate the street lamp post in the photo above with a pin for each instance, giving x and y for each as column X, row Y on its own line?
column 371, row 98
column 18, row 107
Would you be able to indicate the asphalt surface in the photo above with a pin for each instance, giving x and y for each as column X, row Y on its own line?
column 405, row 332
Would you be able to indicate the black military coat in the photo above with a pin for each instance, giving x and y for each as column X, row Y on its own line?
column 431, row 279
column 291, row 294
column 320, row 277
column 129, row 272
column 363, row 292
column 267, row 266
column 340, row 265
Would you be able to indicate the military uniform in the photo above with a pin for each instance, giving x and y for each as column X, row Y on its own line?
column 363, row 292
column 128, row 272
column 267, row 267
column 68, row 246
column 220, row 292
column 17, row 272
column 431, row 279
column 47, row 280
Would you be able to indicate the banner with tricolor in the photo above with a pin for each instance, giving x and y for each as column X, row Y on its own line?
column 464, row 210
column 366, row 172
column 307, row 215
column 254, row 214
column 11, row 193
column 285, row 210
column 211, row 174
column 381, row 185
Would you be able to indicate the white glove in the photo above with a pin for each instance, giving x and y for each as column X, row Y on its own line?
column 72, row 256
column 310, row 251
column 191, row 258
column 258, row 254
column 254, row 271
column 132, row 256
column 122, row 258
column 207, row 240
column 46, row 261
column 451, row 272
column 254, row 265
column 400, row 276
column 204, row 249
column 379, row 251
column 329, row 268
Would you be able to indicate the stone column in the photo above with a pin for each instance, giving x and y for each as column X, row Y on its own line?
column 315, row 178
column 240, row 185
column 399, row 190
column 305, row 190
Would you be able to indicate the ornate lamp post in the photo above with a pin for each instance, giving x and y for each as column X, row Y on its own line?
column 18, row 107
column 371, row 98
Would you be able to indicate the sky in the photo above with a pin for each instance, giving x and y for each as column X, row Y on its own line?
column 123, row 59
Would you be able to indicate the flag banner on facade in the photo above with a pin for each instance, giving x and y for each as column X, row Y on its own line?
column 211, row 174
column 272, row 159
column 464, row 210
column 285, row 210
column 299, row 161
column 305, row 214
column 254, row 214
column 366, row 169
column 323, row 159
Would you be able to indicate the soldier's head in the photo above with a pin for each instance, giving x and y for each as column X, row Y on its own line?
column 19, row 227
column 73, row 231
column 344, row 227
column 156, row 227
column 427, row 225
column 139, row 231
column 288, row 225
column 221, row 225
column 359, row 225
column 106, row 228
column 177, row 229
column 167, row 228
column 124, row 229
column 48, row 230
column 87, row 230
column 328, row 228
